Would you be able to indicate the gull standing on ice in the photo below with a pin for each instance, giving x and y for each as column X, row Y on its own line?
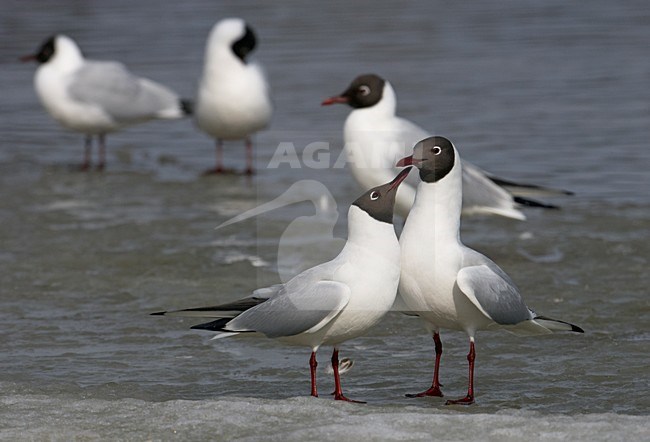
column 375, row 138
column 332, row 302
column 97, row 97
column 232, row 101
column 447, row 284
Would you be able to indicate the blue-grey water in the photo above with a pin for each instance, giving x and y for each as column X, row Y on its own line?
column 553, row 92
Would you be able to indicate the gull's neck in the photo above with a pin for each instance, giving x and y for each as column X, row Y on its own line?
column 68, row 56
column 369, row 233
column 437, row 207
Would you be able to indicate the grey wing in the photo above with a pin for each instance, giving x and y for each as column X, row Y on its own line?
column 481, row 194
column 493, row 293
column 268, row 292
column 293, row 312
column 125, row 97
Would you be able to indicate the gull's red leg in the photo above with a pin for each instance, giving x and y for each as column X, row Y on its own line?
column 312, row 366
column 249, row 157
column 102, row 152
column 469, row 399
column 434, row 390
column 338, row 392
column 218, row 166
column 88, row 145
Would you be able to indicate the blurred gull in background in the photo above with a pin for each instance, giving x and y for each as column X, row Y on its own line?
column 97, row 97
column 232, row 101
column 375, row 138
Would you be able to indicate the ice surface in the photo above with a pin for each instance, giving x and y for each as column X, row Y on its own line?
column 34, row 416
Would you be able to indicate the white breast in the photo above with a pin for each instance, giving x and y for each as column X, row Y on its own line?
column 51, row 84
column 372, row 272
column 233, row 99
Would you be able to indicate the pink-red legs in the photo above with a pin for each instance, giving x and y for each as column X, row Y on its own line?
column 338, row 391
column 220, row 169
column 102, row 152
column 249, row 158
column 469, row 399
column 312, row 366
column 434, row 390
column 88, row 146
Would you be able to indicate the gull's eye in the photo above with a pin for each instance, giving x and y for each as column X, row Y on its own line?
column 374, row 195
column 364, row 90
column 436, row 150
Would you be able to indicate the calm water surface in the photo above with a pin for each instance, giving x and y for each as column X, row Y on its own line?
column 554, row 93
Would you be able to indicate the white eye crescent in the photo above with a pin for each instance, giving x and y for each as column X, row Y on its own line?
column 436, row 150
column 374, row 195
column 364, row 90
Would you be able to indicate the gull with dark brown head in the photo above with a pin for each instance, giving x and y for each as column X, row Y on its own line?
column 332, row 302
column 445, row 283
column 375, row 138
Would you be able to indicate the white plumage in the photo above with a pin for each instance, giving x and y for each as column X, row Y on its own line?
column 97, row 97
column 444, row 282
column 332, row 302
column 233, row 100
column 375, row 138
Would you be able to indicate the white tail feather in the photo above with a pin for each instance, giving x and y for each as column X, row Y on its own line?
column 223, row 335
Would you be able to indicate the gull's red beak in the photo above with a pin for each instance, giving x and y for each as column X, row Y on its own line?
column 399, row 178
column 26, row 58
column 406, row 161
column 334, row 100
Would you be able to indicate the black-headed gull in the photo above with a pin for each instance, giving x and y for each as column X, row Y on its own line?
column 233, row 101
column 375, row 138
column 97, row 97
column 332, row 302
column 447, row 284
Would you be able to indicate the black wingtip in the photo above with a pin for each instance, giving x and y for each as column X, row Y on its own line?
column 507, row 183
column 575, row 328
column 213, row 325
column 158, row 314
column 527, row 202
column 187, row 106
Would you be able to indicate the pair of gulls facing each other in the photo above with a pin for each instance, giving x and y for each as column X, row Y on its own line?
column 99, row 97
column 330, row 303
column 232, row 102
column 440, row 280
